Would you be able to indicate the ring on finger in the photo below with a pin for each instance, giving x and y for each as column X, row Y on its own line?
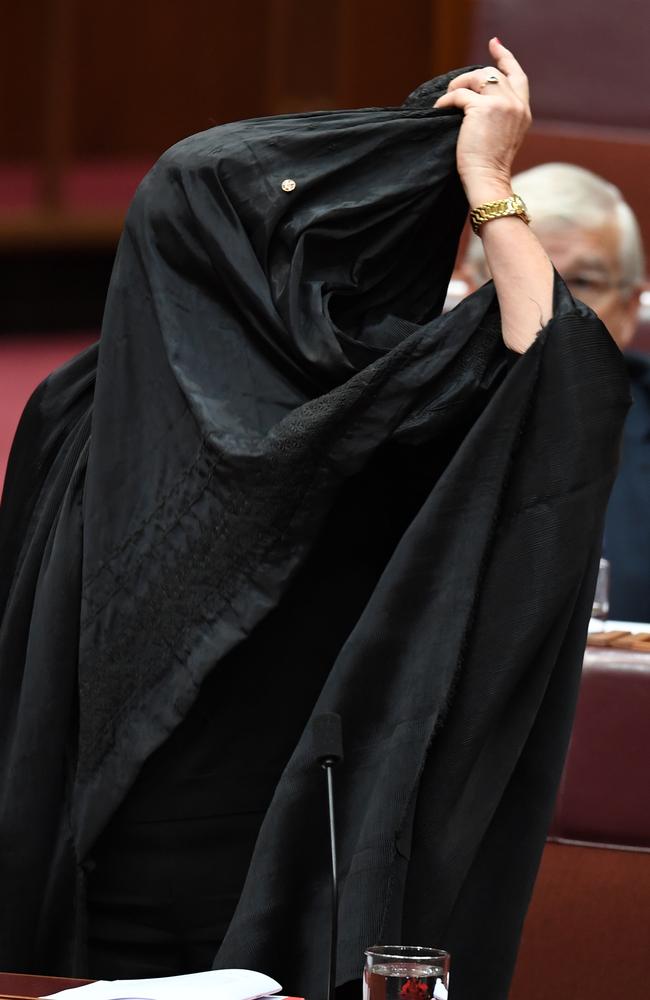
column 489, row 79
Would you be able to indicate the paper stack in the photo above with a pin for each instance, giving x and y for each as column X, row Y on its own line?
column 220, row 984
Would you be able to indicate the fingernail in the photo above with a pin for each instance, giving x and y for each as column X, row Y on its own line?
column 496, row 37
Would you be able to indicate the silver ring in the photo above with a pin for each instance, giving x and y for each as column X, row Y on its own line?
column 490, row 79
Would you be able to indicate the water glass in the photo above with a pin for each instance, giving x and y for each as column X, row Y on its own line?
column 600, row 609
column 402, row 972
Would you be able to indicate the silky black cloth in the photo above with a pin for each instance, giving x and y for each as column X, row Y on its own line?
column 260, row 349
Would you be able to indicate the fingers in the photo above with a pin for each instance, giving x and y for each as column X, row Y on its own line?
column 496, row 90
column 475, row 79
column 461, row 98
column 467, row 99
column 509, row 66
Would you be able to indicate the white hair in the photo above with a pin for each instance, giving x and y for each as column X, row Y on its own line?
column 564, row 194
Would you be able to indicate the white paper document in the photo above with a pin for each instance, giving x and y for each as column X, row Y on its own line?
column 595, row 625
column 220, row 984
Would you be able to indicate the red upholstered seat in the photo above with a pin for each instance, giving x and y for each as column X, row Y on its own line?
column 587, row 932
column 604, row 795
column 91, row 186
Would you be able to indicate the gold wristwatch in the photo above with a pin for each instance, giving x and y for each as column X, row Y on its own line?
column 513, row 205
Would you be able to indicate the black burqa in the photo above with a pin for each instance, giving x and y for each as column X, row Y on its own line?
column 262, row 350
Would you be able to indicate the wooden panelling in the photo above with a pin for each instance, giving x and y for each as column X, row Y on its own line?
column 98, row 84
column 24, row 41
column 59, row 89
column 150, row 72
column 138, row 76
column 303, row 55
column 347, row 53
column 386, row 51
column 154, row 71
column 450, row 31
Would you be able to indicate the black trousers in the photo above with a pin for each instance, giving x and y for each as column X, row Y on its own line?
column 162, row 893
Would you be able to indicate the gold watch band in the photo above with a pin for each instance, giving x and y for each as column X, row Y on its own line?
column 498, row 210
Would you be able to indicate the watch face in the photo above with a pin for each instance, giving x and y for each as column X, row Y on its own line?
column 522, row 208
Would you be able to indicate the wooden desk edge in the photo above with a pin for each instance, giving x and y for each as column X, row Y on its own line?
column 15, row 996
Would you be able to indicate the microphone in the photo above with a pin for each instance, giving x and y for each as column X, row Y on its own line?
column 327, row 739
column 328, row 751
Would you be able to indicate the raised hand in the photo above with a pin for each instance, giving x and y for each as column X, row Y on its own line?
column 496, row 106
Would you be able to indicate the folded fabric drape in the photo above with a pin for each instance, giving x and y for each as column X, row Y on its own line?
column 265, row 346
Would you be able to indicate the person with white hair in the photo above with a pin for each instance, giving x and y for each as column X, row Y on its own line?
column 591, row 235
column 593, row 238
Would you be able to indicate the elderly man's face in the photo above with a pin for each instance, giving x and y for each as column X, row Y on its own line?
column 589, row 261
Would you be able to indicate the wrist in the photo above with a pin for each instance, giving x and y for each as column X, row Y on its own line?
column 484, row 192
column 483, row 186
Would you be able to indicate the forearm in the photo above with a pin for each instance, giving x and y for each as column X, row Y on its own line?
column 496, row 109
column 523, row 277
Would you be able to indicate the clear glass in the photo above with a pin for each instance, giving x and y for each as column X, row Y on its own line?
column 600, row 609
column 401, row 972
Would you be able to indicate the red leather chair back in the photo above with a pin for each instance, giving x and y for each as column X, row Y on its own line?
column 604, row 795
column 587, row 932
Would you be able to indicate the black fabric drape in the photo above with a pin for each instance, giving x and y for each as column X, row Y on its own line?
column 260, row 349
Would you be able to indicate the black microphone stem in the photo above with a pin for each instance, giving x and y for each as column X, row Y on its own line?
column 328, row 751
column 331, row 978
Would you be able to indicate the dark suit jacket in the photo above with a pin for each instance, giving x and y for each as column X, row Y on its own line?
column 627, row 528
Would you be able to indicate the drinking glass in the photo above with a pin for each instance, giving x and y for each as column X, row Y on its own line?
column 600, row 609
column 402, row 972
